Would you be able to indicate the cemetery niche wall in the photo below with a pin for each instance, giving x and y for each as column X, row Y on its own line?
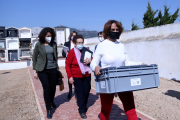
column 11, row 32
column 12, row 44
column 13, row 55
column 35, row 31
column 62, row 34
column 2, row 50
column 2, row 32
column 2, row 37
column 2, row 44
column 24, row 42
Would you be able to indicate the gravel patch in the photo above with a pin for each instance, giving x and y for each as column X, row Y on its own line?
column 17, row 101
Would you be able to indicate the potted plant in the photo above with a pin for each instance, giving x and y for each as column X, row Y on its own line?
column 2, row 57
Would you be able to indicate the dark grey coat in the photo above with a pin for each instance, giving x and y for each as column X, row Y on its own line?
column 39, row 56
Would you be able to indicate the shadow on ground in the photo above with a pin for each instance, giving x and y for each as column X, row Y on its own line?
column 178, row 81
column 117, row 113
column 173, row 93
column 92, row 99
column 59, row 100
column 5, row 72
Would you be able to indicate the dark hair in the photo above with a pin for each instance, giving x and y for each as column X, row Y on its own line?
column 107, row 28
column 100, row 33
column 77, row 37
column 71, row 34
column 43, row 33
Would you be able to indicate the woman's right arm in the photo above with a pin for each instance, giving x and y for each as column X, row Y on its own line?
column 96, row 59
column 35, row 55
column 63, row 53
column 69, row 60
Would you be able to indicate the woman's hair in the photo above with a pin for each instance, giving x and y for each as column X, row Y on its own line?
column 43, row 33
column 71, row 34
column 77, row 37
column 100, row 33
column 107, row 28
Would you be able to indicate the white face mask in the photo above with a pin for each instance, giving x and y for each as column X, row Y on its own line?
column 100, row 39
column 48, row 39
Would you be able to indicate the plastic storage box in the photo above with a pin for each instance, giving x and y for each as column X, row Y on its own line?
column 127, row 78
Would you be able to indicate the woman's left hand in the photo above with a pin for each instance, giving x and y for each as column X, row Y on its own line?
column 87, row 61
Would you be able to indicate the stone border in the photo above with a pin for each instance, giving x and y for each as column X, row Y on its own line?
column 36, row 98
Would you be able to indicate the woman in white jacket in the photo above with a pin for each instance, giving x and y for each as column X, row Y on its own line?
column 111, row 53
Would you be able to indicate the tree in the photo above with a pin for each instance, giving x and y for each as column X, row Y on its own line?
column 134, row 26
column 121, row 25
column 160, row 22
column 148, row 19
column 167, row 18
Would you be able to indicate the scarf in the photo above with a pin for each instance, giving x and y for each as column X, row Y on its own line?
column 83, row 67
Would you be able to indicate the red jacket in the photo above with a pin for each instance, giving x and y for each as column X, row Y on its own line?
column 72, row 66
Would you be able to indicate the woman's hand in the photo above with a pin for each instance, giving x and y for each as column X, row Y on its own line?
column 35, row 76
column 71, row 80
column 87, row 61
column 67, row 53
column 97, row 70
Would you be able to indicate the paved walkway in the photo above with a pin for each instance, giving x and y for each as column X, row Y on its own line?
column 68, row 110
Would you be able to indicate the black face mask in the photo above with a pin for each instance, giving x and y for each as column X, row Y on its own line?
column 114, row 35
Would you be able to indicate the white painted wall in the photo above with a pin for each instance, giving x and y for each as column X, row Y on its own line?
column 61, row 62
column 13, row 65
column 91, row 43
column 67, row 34
column 152, row 33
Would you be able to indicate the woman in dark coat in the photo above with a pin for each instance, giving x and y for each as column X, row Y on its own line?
column 70, row 45
column 45, row 66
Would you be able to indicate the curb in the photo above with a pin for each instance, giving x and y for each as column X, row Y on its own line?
column 36, row 98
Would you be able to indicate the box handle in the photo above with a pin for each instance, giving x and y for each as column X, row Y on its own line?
column 138, row 71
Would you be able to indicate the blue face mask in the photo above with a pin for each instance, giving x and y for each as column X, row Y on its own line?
column 79, row 47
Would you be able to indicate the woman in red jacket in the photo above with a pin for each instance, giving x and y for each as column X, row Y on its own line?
column 79, row 74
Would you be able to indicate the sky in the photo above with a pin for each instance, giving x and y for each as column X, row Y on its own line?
column 79, row 14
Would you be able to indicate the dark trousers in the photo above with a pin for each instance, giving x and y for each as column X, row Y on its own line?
column 83, row 87
column 70, row 91
column 48, row 78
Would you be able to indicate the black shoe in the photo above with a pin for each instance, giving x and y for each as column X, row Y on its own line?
column 116, row 95
column 83, row 115
column 53, row 105
column 69, row 95
column 49, row 114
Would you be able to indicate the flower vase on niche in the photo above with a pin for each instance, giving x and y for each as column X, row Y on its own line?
column 2, row 58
